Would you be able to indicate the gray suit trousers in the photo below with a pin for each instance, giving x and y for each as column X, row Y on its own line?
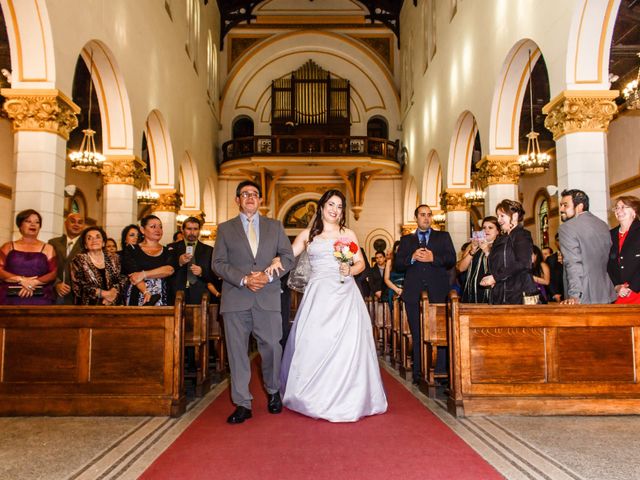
column 266, row 327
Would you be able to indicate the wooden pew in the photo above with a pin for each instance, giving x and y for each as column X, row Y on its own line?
column 544, row 359
column 406, row 343
column 92, row 360
column 385, row 350
column 216, row 335
column 196, row 336
column 434, row 334
column 394, row 353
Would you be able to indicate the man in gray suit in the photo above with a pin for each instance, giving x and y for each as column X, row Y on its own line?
column 67, row 247
column 250, row 303
column 584, row 242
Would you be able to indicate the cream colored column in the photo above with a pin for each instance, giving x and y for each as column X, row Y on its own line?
column 42, row 121
column 499, row 174
column 120, row 204
column 166, row 210
column 579, row 121
column 458, row 216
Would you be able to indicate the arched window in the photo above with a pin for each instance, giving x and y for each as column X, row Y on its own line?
column 377, row 127
column 193, row 30
column 242, row 127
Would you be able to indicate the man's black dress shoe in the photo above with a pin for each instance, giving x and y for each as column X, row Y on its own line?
column 239, row 415
column 275, row 403
column 416, row 382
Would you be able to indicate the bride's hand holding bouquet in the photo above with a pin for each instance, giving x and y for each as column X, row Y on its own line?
column 344, row 250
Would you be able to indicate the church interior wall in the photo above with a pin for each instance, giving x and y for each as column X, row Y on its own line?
column 623, row 148
column 7, row 179
column 458, row 77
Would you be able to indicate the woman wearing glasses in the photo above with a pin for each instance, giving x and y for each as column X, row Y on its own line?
column 624, row 256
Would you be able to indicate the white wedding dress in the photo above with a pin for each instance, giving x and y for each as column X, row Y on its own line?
column 330, row 368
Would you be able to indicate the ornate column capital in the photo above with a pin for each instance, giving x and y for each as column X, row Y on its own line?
column 122, row 169
column 498, row 170
column 169, row 201
column 40, row 110
column 408, row 228
column 580, row 111
column 453, row 199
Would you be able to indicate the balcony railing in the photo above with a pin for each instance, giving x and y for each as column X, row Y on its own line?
column 289, row 145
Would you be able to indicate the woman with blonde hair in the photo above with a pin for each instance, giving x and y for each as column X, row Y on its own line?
column 624, row 257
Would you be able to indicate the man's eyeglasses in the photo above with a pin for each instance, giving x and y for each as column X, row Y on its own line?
column 250, row 195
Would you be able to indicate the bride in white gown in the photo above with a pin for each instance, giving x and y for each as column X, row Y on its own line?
column 330, row 368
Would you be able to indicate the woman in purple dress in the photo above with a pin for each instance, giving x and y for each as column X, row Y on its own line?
column 27, row 265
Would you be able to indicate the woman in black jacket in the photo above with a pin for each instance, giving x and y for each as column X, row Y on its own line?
column 624, row 257
column 510, row 259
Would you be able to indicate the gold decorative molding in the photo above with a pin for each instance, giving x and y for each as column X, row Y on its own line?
column 580, row 111
column 40, row 110
column 170, row 201
column 453, row 199
column 123, row 169
column 6, row 191
column 408, row 228
column 357, row 183
column 498, row 170
column 625, row 185
column 213, row 228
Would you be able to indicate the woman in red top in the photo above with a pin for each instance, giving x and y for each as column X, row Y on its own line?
column 624, row 257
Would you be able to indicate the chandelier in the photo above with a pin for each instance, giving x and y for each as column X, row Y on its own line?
column 476, row 196
column 87, row 158
column 439, row 220
column 533, row 161
column 147, row 196
column 631, row 94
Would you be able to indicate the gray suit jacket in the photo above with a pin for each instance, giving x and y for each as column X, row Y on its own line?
column 64, row 263
column 585, row 243
column 232, row 260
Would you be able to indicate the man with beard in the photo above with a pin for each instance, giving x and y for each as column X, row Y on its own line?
column 585, row 243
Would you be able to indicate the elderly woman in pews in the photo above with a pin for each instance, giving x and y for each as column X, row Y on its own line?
column 509, row 262
column 624, row 256
column 96, row 275
column 148, row 265
column 28, row 265
column 475, row 262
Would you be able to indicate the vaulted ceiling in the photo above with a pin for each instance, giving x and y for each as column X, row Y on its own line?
column 235, row 12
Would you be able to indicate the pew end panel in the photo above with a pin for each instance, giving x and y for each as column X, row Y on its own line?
column 59, row 360
column 434, row 334
column 196, row 327
column 544, row 359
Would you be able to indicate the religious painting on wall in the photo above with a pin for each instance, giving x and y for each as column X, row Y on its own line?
column 301, row 214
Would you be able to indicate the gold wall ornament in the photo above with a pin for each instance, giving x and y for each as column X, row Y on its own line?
column 580, row 111
column 169, row 202
column 122, row 169
column 209, row 231
column 357, row 182
column 40, row 110
column 453, row 199
column 408, row 228
column 498, row 170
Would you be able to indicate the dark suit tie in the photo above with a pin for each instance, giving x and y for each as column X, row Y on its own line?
column 191, row 277
column 423, row 238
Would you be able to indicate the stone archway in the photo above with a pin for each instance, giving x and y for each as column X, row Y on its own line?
column 432, row 181
column 461, row 151
column 189, row 184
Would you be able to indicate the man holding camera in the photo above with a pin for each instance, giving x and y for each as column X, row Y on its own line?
column 191, row 263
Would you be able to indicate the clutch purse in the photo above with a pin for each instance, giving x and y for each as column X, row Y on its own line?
column 530, row 299
column 14, row 291
column 299, row 276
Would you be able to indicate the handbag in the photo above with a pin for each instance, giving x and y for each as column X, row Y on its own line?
column 14, row 291
column 530, row 299
column 299, row 275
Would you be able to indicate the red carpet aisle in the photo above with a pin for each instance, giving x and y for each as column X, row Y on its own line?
column 407, row 442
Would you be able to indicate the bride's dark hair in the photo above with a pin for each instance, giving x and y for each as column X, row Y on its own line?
column 318, row 225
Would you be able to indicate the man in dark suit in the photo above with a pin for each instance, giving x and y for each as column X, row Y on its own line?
column 67, row 247
column 250, row 304
column 375, row 277
column 191, row 264
column 426, row 256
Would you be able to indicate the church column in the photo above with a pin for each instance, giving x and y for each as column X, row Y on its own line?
column 120, row 205
column 42, row 120
column 458, row 217
column 166, row 210
column 579, row 121
column 500, row 174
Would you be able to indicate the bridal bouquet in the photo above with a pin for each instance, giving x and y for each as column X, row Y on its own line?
column 344, row 250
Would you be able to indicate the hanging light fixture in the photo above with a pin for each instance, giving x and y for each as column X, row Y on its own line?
column 631, row 94
column 87, row 158
column 533, row 161
column 145, row 195
column 476, row 196
column 439, row 220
